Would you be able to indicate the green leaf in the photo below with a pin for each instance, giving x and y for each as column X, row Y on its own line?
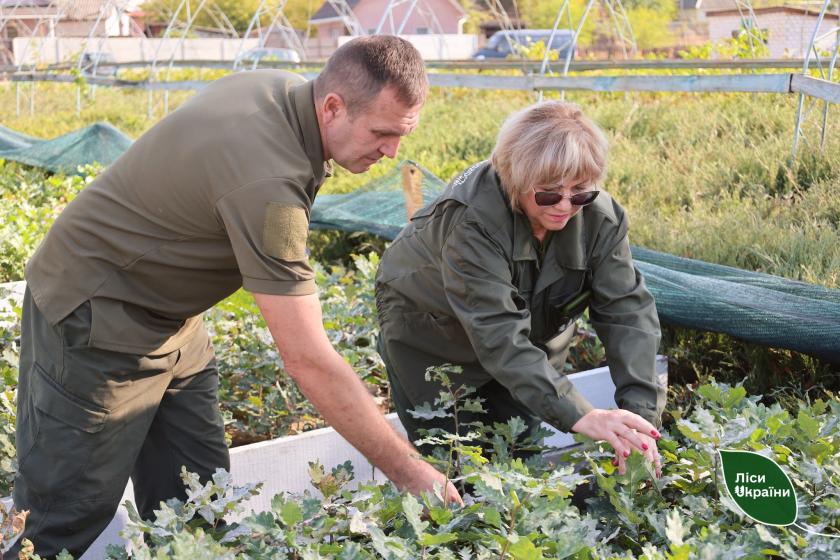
column 413, row 510
column 492, row 516
column 711, row 392
column 437, row 539
column 692, row 431
column 524, row 549
column 263, row 521
column 808, row 425
column 492, row 481
column 473, row 405
column 290, row 513
column 734, row 396
column 440, row 515
column 759, row 487
column 426, row 412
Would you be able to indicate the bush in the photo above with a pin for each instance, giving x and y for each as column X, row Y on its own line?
column 521, row 510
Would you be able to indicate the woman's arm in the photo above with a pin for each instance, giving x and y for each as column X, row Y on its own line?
column 479, row 287
column 623, row 313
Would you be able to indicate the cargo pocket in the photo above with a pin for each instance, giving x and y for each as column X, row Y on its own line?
column 63, row 431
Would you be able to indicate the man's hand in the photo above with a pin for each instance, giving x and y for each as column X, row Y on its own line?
column 340, row 396
column 624, row 431
column 426, row 479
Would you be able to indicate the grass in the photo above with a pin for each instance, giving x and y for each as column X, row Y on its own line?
column 705, row 176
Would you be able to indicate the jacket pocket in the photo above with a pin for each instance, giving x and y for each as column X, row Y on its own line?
column 566, row 302
column 565, row 290
column 441, row 336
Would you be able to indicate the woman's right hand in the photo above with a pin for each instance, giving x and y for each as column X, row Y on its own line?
column 624, row 431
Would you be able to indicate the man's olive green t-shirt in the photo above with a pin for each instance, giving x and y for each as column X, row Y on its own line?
column 215, row 196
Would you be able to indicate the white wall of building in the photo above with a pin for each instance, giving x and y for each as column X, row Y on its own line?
column 788, row 33
column 43, row 50
column 438, row 47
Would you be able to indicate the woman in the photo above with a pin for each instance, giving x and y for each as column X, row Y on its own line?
column 492, row 275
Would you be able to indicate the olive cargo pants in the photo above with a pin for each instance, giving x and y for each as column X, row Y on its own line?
column 88, row 419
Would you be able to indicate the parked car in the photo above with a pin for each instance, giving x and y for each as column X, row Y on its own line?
column 501, row 43
column 253, row 56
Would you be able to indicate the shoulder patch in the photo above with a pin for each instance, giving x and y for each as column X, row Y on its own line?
column 285, row 230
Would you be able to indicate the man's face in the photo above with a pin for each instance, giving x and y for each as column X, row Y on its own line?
column 357, row 142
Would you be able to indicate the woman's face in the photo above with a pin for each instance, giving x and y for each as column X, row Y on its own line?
column 552, row 218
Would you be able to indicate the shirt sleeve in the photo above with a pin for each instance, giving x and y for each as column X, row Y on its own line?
column 479, row 287
column 623, row 314
column 267, row 222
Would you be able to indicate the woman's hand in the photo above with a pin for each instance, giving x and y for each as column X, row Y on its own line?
column 624, row 431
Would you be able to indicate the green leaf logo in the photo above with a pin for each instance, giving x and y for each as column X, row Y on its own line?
column 760, row 488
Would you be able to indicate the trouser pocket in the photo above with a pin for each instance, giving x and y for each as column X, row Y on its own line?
column 56, row 434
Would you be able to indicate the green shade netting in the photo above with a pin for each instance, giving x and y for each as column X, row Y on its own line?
column 98, row 143
column 757, row 307
column 12, row 140
column 752, row 306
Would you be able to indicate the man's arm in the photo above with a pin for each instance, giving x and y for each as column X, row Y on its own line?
column 340, row 396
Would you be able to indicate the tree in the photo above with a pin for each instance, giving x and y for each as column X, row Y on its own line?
column 540, row 14
column 648, row 18
column 239, row 12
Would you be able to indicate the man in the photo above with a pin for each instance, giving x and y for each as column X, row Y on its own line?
column 117, row 373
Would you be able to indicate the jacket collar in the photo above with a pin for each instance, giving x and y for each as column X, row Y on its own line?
column 568, row 246
column 523, row 238
column 302, row 98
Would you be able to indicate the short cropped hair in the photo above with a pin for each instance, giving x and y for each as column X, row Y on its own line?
column 361, row 68
column 548, row 143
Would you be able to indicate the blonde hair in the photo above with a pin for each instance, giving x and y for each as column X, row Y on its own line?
column 547, row 143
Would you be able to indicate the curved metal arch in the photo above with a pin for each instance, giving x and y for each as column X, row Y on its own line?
column 278, row 21
column 348, row 17
column 750, row 24
column 173, row 22
column 120, row 7
column 815, row 61
column 60, row 14
column 621, row 27
column 415, row 6
column 419, row 7
column 6, row 15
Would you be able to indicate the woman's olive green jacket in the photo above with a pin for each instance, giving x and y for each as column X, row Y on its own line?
column 467, row 283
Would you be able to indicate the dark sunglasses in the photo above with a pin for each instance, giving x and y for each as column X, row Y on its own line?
column 550, row 198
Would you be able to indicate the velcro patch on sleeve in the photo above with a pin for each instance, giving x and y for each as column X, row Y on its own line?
column 285, row 231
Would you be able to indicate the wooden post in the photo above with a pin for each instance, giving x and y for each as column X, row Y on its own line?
column 413, row 194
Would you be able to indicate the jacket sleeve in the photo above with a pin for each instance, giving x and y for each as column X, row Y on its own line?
column 479, row 287
column 623, row 314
